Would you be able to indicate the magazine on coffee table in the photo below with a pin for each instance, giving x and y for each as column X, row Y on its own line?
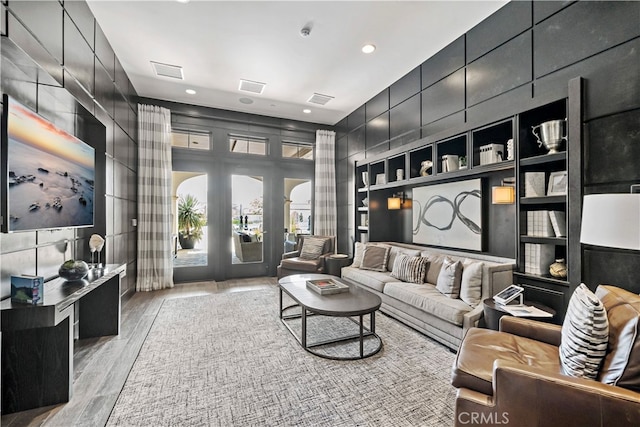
column 327, row 286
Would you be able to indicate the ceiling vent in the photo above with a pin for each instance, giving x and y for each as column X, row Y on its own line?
column 166, row 70
column 253, row 87
column 319, row 99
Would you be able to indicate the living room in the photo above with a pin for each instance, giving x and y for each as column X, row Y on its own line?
column 525, row 64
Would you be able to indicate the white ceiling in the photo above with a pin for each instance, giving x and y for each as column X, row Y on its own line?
column 220, row 42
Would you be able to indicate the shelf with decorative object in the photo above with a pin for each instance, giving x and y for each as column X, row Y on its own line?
column 549, row 199
column 490, row 144
column 449, row 153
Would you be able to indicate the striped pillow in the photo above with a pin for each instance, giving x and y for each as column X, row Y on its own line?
column 312, row 248
column 585, row 334
column 410, row 268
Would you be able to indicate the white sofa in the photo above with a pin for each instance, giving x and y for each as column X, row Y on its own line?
column 422, row 306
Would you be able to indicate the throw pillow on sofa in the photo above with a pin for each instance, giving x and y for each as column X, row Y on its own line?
column 471, row 284
column 358, row 252
column 312, row 248
column 585, row 335
column 375, row 257
column 410, row 269
column 450, row 278
column 395, row 251
column 435, row 265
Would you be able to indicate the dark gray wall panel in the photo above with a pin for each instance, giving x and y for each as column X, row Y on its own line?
column 121, row 145
column 50, row 259
column 500, row 107
column 443, row 63
column 341, row 128
column 104, row 89
column 443, row 98
column 405, row 88
column 452, row 121
column 121, row 111
column 356, row 118
column 377, row 130
column 581, row 30
column 44, row 20
column 342, row 147
column 27, row 43
column 357, row 141
column 503, row 69
column 121, row 79
column 406, row 138
column 405, row 117
column 377, row 105
column 83, row 18
column 611, row 268
column 503, row 25
column 611, row 78
column 378, row 149
column 13, row 242
column 78, row 56
column 544, row 9
column 613, row 153
column 104, row 52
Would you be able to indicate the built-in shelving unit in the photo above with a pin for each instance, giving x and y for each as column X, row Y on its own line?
column 512, row 146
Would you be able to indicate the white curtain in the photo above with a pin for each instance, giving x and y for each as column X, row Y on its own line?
column 325, row 211
column 155, row 261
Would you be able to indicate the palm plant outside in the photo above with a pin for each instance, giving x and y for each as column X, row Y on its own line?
column 191, row 217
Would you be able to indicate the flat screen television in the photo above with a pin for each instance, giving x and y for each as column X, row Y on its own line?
column 48, row 174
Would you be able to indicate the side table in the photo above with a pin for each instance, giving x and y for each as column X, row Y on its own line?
column 335, row 263
column 493, row 312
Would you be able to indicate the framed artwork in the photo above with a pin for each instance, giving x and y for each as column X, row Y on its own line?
column 558, row 182
column 449, row 215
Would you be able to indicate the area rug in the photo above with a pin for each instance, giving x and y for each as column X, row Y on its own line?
column 227, row 360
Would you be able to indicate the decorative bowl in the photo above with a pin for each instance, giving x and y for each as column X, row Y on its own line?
column 73, row 270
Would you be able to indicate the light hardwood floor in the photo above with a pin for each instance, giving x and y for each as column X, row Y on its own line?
column 101, row 366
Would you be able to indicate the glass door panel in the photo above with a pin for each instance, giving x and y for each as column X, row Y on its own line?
column 297, row 210
column 190, row 225
column 247, row 221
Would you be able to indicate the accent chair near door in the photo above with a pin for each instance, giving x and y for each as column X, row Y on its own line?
column 307, row 259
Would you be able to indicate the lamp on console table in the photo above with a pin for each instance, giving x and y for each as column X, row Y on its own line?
column 612, row 220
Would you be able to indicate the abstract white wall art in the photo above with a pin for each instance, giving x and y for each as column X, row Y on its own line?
column 449, row 215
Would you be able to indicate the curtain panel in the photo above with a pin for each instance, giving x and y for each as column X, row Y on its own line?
column 155, row 261
column 325, row 210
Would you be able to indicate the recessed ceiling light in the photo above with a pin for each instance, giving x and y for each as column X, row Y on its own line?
column 246, row 100
column 190, row 91
column 183, row 1
column 306, row 111
column 368, row 48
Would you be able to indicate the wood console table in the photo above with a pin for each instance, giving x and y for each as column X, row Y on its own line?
column 37, row 340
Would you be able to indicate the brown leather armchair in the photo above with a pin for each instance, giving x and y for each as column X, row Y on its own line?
column 513, row 377
column 292, row 263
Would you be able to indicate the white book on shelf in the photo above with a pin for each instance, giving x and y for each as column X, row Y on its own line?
column 559, row 223
column 534, row 184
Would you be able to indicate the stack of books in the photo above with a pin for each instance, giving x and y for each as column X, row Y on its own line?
column 327, row 286
column 491, row 153
column 534, row 184
column 538, row 258
column 539, row 224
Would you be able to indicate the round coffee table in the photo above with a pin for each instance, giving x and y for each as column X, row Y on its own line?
column 357, row 302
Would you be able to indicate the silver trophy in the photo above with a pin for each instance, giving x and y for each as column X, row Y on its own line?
column 551, row 134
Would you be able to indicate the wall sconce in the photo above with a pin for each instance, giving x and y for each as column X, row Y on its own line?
column 611, row 220
column 505, row 194
column 396, row 201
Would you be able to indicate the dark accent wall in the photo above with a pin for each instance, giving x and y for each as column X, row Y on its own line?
column 57, row 61
column 523, row 53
